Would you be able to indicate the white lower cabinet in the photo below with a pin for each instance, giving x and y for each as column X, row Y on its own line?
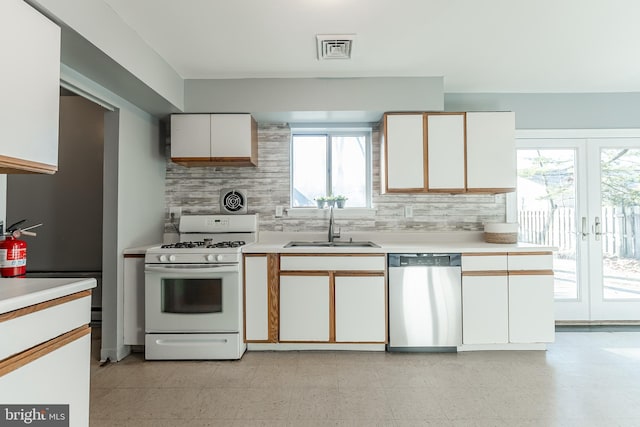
column 360, row 309
column 45, row 353
column 329, row 298
column 485, row 309
column 60, row 377
column 304, row 308
column 256, row 298
column 507, row 298
column 133, row 300
column 531, row 316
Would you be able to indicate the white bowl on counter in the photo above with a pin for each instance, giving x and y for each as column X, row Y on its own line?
column 501, row 232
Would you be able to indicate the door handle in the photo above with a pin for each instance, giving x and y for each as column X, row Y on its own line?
column 585, row 227
column 597, row 229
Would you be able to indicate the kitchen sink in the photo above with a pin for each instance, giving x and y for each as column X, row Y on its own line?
column 349, row 244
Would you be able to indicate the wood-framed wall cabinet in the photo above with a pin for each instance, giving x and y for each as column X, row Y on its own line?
column 491, row 152
column 451, row 152
column 30, row 89
column 214, row 140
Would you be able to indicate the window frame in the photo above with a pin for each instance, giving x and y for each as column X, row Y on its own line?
column 329, row 132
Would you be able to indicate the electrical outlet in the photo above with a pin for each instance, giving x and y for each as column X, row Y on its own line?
column 408, row 211
column 279, row 211
column 175, row 212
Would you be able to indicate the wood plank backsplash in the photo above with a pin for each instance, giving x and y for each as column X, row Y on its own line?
column 197, row 191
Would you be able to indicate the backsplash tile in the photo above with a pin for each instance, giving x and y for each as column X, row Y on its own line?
column 197, row 191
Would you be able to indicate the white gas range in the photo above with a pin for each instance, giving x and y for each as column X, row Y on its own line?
column 193, row 290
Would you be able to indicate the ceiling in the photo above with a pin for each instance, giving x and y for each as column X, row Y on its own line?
column 537, row 46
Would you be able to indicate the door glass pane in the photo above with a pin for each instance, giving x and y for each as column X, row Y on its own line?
column 191, row 295
column 546, row 194
column 620, row 222
column 349, row 169
column 309, row 177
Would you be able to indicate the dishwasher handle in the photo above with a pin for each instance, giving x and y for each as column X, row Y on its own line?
column 425, row 260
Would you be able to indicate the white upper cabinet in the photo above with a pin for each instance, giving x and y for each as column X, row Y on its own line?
column 491, row 152
column 30, row 88
column 214, row 140
column 403, row 153
column 449, row 152
column 445, row 152
column 191, row 136
column 231, row 136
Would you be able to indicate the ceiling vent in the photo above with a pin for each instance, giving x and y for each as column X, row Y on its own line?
column 334, row 46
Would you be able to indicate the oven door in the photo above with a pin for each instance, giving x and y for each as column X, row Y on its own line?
column 192, row 298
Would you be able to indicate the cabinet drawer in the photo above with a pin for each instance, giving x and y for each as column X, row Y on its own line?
column 332, row 263
column 27, row 327
column 525, row 261
column 484, row 262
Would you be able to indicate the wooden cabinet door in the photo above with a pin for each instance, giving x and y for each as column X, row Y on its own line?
column 191, row 136
column 133, row 300
column 256, row 298
column 531, row 315
column 30, row 88
column 404, row 153
column 446, row 152
column 491, row 152
column 304, row 307
column 360, row 309
column 485, row 309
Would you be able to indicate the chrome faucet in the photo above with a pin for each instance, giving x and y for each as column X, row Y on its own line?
column 332, row 235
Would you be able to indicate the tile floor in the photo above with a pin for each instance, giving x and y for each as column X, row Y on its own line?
column 584, row 379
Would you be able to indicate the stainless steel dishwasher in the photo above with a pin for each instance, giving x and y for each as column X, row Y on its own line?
column 425, row 302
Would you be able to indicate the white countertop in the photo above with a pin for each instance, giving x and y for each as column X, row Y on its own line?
column 404, row 242
column 20, row 293
column 140, row 250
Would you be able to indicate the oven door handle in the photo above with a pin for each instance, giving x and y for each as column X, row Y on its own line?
column 204, row 268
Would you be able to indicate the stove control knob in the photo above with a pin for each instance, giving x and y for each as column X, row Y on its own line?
column 172, row 258
column 163, row 258
column 210, row 258
column 219, row 257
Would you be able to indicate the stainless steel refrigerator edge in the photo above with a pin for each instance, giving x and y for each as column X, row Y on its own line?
column 425, row 302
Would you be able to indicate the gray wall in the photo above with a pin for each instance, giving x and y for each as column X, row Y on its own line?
column 556, row 110
column 315, row 99
column 197, row 191
column 69, row 202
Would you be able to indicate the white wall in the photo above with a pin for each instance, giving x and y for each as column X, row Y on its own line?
column 117, row 40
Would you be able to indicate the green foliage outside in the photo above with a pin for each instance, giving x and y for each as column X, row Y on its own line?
column 620, row 177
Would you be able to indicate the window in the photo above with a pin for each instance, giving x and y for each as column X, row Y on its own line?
column 331, row 162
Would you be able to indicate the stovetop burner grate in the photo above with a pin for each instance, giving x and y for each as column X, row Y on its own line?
column 206, row 244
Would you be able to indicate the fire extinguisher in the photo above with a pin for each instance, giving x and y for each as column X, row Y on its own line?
column 13, row 251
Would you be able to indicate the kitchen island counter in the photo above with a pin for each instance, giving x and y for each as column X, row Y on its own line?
column 19, row 293
column 46, row 345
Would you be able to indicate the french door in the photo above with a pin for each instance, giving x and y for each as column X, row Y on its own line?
column 582, row 195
